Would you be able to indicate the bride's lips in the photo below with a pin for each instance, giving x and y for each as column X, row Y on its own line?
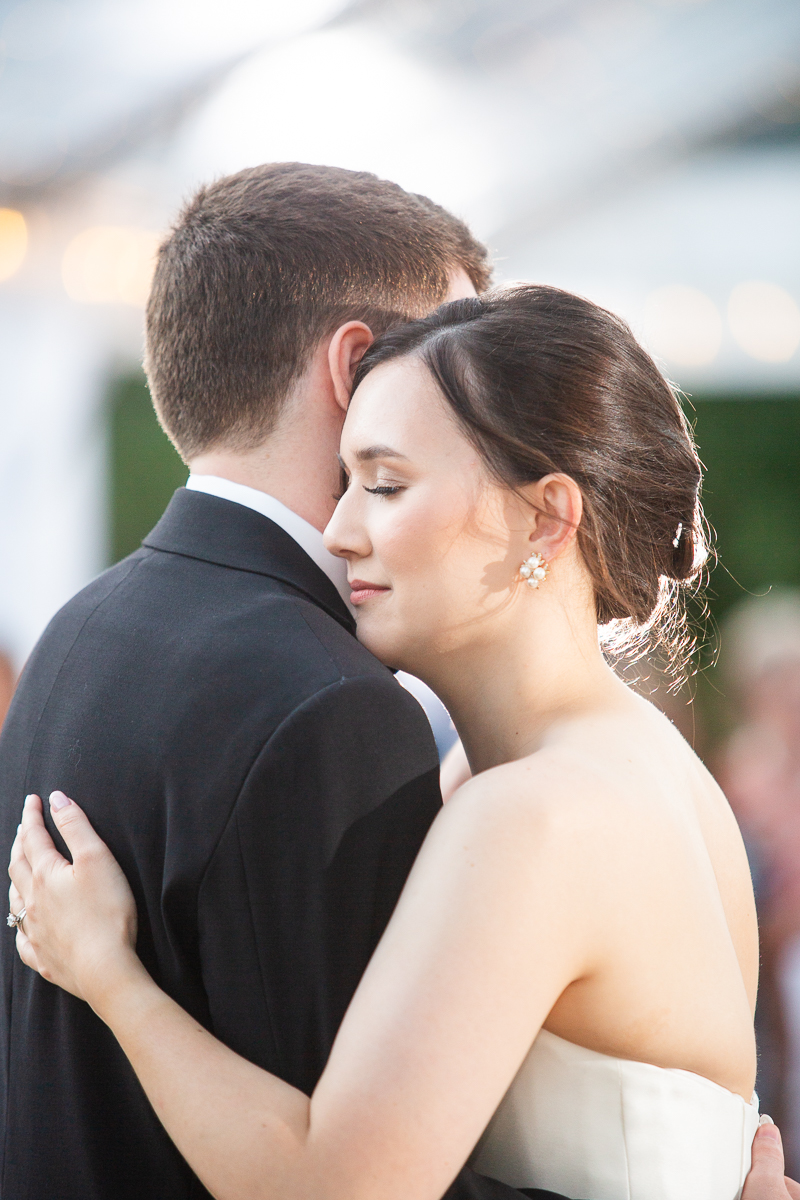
column 361, row 590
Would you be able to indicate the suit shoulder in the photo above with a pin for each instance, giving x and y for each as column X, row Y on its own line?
column 67, row 623
column 349, row 698
column 344, row 649
column 295, row 640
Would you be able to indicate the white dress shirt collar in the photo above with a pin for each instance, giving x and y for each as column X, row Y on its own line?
column 306, row 536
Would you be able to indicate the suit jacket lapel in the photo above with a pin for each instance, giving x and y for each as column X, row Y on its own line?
column 220, row 531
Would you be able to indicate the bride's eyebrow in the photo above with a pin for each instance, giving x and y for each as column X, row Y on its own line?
column 372, row 452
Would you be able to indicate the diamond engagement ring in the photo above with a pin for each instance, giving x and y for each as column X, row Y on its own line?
column 14, row 920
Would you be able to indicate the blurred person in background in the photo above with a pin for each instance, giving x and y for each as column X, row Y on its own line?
column 8, row 679
column 759, row 771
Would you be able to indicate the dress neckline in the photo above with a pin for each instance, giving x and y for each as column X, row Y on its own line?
column 638, row 1063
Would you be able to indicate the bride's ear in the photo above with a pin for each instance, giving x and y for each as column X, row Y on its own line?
column 346, row 349
column 557, row 510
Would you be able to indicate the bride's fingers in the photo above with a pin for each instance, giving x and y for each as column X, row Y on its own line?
column 75, row 828
column 19, row 869
column 32, row 811
column 792, row 1188
column 766, row 1179
column 26, row 951
column 16, row 901
column 37, row 845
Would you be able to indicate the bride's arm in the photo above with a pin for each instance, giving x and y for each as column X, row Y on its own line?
column 489, row 931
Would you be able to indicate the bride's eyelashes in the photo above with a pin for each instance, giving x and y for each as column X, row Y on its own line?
column 380, row 489
column 388, row 489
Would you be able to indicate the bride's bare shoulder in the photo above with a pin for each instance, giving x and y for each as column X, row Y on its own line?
column 604, row 773
column 547, row 794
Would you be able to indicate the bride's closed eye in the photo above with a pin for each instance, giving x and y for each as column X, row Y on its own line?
column 384, row 489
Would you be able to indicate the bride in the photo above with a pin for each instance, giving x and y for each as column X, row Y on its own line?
column 566, row 989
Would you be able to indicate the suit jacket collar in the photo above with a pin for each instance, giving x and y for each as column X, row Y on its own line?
column 198, row 525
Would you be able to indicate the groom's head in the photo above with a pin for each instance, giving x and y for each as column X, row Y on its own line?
column 262, row 267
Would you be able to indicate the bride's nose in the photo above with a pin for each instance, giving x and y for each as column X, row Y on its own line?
column 345, row 534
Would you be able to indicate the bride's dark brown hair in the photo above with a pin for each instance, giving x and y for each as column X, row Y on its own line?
column 544, row 381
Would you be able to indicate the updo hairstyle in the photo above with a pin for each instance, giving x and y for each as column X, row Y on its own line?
column 543, row 381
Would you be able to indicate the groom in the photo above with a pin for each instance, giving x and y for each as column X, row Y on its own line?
column 264, row 782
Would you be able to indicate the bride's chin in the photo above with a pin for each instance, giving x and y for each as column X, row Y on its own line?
column 387, row 649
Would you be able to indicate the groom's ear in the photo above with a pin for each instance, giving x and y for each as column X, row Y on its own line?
column 346, row 349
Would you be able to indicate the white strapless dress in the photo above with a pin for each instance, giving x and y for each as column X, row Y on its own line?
column 593, row 1127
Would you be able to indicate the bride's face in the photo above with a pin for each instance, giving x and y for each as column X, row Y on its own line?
column 433, row 545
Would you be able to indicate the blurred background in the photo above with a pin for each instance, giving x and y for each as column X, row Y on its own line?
column 645, row 153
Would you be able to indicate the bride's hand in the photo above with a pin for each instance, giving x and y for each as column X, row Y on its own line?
column 79, row 929
column 766, row 1180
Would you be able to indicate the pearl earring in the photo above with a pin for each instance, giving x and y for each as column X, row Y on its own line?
column 534, row 570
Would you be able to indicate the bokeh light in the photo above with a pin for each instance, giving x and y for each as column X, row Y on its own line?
column 13, row 242
column 682, row 325
column 765, row 321
column 110, row 264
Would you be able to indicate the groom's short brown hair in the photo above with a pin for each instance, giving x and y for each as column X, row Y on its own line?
column 264, row 264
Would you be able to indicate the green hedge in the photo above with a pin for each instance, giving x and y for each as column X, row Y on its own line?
column 144, row 468
column 750, row 447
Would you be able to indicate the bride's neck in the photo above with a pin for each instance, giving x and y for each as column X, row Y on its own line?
column 541, row 666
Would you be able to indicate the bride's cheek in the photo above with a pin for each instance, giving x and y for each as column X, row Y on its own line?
column 401, row 542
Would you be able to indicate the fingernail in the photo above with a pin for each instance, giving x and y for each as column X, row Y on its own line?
column 765, row 1119
column 59, row 800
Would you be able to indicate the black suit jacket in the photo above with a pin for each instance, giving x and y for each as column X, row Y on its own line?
column 265, row 784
